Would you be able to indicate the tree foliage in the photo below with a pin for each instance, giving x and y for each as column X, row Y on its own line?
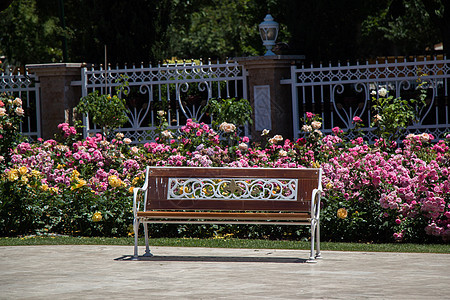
column 219, row 28
column 235, row 111
column 402, row 27
column 150, row 30
column 29, row 34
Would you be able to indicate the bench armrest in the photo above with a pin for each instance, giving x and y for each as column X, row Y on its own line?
column 315, row 199
column 315, row 204
column 136, row 190
column 136, row 199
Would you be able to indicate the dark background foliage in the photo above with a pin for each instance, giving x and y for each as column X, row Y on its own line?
column 35, row 31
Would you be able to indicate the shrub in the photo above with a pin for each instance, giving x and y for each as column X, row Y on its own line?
column 106, row 111
column 231, row 110
column 11, row 113
column 370, row 194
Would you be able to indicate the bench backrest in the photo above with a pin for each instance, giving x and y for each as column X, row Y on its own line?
column 251, row 189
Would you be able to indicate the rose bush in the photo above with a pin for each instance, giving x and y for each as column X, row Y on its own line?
column 11, row 113
column 376, row 193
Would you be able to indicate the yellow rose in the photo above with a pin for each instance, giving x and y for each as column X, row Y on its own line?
column 80, row 183
column 97, row 217
column 24, row 179
column 135, row 181
column 35, row 173
column 75, row 174
column 23, row 170
column 342, row 213
column 44, row 187
column 131, row 189
column 12, row 175
column 114, row 181
column 329, row 185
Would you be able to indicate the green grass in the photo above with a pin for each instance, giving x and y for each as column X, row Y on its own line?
column 225, row 243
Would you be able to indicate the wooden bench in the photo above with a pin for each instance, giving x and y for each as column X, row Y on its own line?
column 229, row 196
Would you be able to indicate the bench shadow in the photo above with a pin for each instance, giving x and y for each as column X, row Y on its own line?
column 214, row 259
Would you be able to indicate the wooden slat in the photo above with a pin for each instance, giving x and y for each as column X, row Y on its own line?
column 158, row 188
column 228, row 222
column 234, row 172
column 186, row 215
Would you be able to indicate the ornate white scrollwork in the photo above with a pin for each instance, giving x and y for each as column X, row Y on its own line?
column 400, row 76
column 232, row 189
column 167, row 87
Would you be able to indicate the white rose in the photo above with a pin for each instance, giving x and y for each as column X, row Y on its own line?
column 243, row 146
column 134, row 150
column 377, row 118
column 410, row 136
column 307, row 128
column 265, row 132
column 283, row 153
column 161, row 113
column 424, row 137
column 382, row 92
column 167, row 134
column 19, row 111
column 127, row 141
column 316, row 124
column 2, row 111
column 17, row 102
column 278, row 138
column 318, row 132
column 227, row 127
column 120, row 135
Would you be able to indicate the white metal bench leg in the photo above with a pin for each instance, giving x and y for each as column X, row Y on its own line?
column 147, row 247
column 136, row 230
column 318, row 254
column 312, row 258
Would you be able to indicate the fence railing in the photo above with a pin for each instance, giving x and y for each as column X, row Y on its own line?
column 180, row 90
column 339, row 93
column 26, row 87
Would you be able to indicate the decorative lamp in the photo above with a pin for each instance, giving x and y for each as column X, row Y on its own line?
column 269, row 32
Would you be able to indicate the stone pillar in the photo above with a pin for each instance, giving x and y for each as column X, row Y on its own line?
column 58, row 95
column 271, row 101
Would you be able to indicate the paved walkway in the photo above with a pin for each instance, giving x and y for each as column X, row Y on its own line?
column 106, row 272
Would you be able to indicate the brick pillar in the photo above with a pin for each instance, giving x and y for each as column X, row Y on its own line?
column 270, row 100
column 58, row 96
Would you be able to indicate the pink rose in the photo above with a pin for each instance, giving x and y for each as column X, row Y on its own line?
column 357, row 119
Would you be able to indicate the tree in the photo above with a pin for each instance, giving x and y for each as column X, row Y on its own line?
column 132, row 33
column 153, row 30
column 218, row 29
column 402, row 27
column 28, row 34
column 439, row 12
column 326, row 29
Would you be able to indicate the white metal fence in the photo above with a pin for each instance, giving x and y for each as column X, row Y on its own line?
column 26, row 87
column 339, row 93
column 180, row 89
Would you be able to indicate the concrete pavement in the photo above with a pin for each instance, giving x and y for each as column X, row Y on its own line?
column 106, row 272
